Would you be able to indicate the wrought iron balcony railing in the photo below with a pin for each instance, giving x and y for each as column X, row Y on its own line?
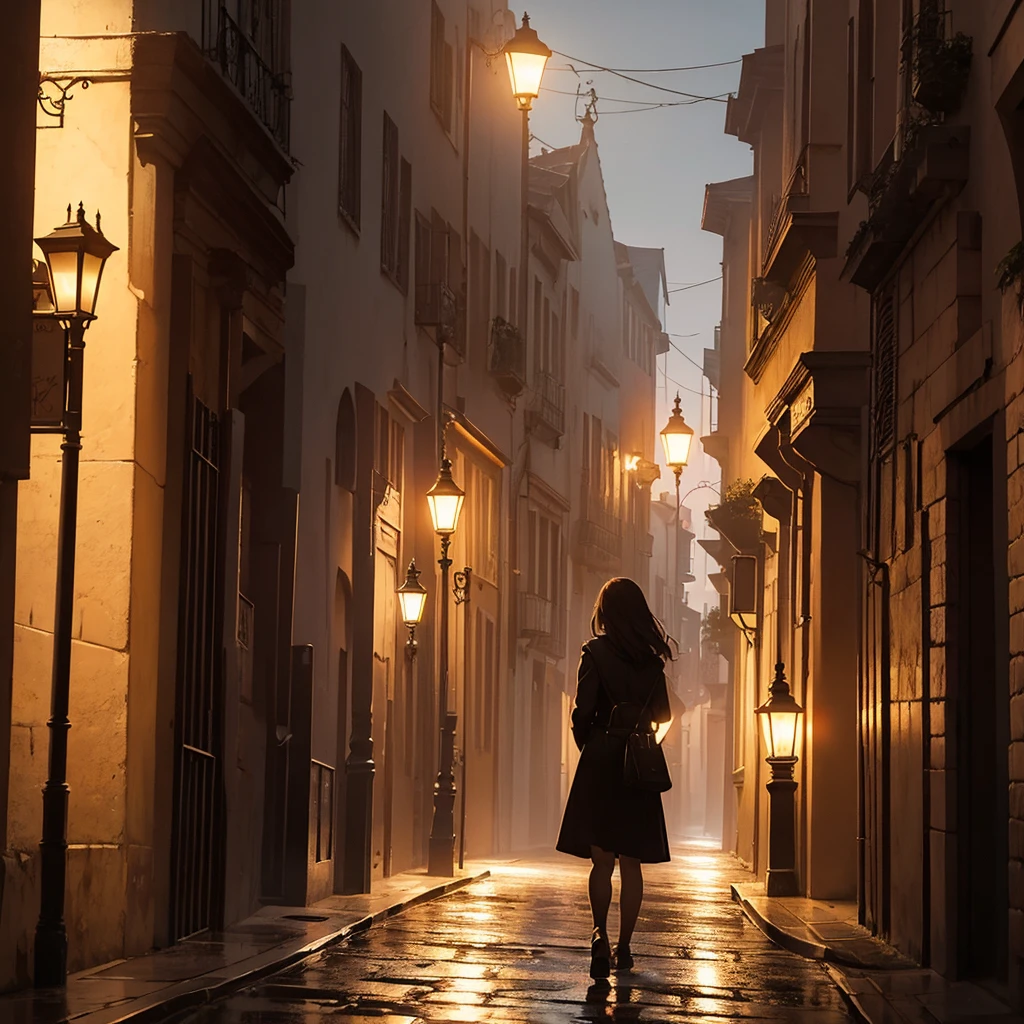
column 598, row 539
column 506, row 356
column 266, row 90
column 535, row 615
column 548, row 409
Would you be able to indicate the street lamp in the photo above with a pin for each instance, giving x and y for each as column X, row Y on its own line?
column 75, row 254
column 779, row 716
column 412, row 598
column 676, row 439
column 445, row 500
column 526, row 57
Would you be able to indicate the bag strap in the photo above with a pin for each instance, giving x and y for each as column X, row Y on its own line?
column 646, row 702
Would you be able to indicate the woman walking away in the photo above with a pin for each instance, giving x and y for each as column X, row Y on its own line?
column 621, row 687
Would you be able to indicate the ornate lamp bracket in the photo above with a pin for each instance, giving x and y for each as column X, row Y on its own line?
column 460, row 587
column 54, row 93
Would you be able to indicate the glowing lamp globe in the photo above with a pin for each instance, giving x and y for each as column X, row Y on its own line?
column 412, row 596
column 75, row 255
column 779, row 717
column 527, row 58
column 445, row 500
column 676, row 438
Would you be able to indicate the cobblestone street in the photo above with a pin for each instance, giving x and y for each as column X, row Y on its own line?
column 514, row 948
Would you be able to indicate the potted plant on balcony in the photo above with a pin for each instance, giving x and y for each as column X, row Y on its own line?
column 738, row 517
column 941, row 66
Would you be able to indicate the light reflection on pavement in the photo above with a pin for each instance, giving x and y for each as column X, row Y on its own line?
column 513, row 948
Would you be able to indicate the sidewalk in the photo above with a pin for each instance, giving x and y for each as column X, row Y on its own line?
column 196, row 971
column 881, row 985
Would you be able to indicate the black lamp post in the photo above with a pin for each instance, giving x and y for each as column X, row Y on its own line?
column 75, row 253
column 779, row 717
column 526, row 57
column 445, row 500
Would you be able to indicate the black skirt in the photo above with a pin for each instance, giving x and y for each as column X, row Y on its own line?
column 601, row 810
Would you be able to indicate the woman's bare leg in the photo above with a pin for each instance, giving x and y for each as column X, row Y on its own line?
column 600, row 886
column 630, row 897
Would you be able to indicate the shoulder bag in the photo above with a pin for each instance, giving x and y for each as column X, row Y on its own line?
column 644, row 766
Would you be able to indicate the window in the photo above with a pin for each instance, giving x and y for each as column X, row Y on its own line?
column 480, row 516
column 885, row 361
column 350, row 139
column 479, row 288
column 544, row 556
column 501, row 287
column 574, row 322
column 865, row 90
column 484, row 657
column 545, row 351
column 851, row 104
column 396, row 209
column 513, row 297
column 442, row 69
column 538, row 293
column 436, row 57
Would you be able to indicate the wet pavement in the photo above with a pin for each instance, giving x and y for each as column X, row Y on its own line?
column 514, row 948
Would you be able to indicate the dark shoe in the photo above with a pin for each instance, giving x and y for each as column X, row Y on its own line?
column 623, row 958
column 600, row 955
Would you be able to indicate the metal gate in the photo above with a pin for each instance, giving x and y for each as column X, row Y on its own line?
column 197, row 720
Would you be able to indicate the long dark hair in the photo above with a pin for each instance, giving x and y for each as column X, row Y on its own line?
column 622, row 615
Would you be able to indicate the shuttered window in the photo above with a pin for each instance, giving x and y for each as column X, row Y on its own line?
column 436, row 59
column 350, row 139
column 396, row 209
column 389, row 198
column 885, row 354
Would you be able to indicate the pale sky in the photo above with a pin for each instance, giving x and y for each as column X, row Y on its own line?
column 657, row 162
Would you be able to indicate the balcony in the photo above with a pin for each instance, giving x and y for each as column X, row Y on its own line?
column 597, row 543
column 506, row 357
column 542, row 624
column 436, row 308
column 535, row 615
column 547, row 412
column 939, row 60
column 266, row 91
column 925, row 166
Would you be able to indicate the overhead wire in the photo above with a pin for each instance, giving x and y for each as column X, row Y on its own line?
column 696, row 284
column 648, row 71
column 647, row 104
column 720, row 98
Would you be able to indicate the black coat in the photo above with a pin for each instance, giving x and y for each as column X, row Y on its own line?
column 601, row 811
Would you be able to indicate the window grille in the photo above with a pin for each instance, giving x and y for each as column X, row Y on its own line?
column 885, row 363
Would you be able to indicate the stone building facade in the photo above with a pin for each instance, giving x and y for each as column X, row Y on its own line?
column 319, row 280
column 872, row 400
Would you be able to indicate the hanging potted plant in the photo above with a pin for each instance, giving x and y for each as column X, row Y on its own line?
column 738, row 516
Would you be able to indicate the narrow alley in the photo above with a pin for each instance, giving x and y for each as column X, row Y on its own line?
column 512, row 948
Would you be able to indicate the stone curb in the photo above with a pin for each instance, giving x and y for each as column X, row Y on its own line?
column 849, row 994
column 802, row 947
column 193, row 993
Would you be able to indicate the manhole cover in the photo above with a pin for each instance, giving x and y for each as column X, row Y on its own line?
column 303, row 917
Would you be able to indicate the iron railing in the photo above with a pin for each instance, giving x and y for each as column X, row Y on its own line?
column 199, row 693
column 535, row 615
column 506, row 356
column 598, row 541
column 267, row 90
column 549, row 403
